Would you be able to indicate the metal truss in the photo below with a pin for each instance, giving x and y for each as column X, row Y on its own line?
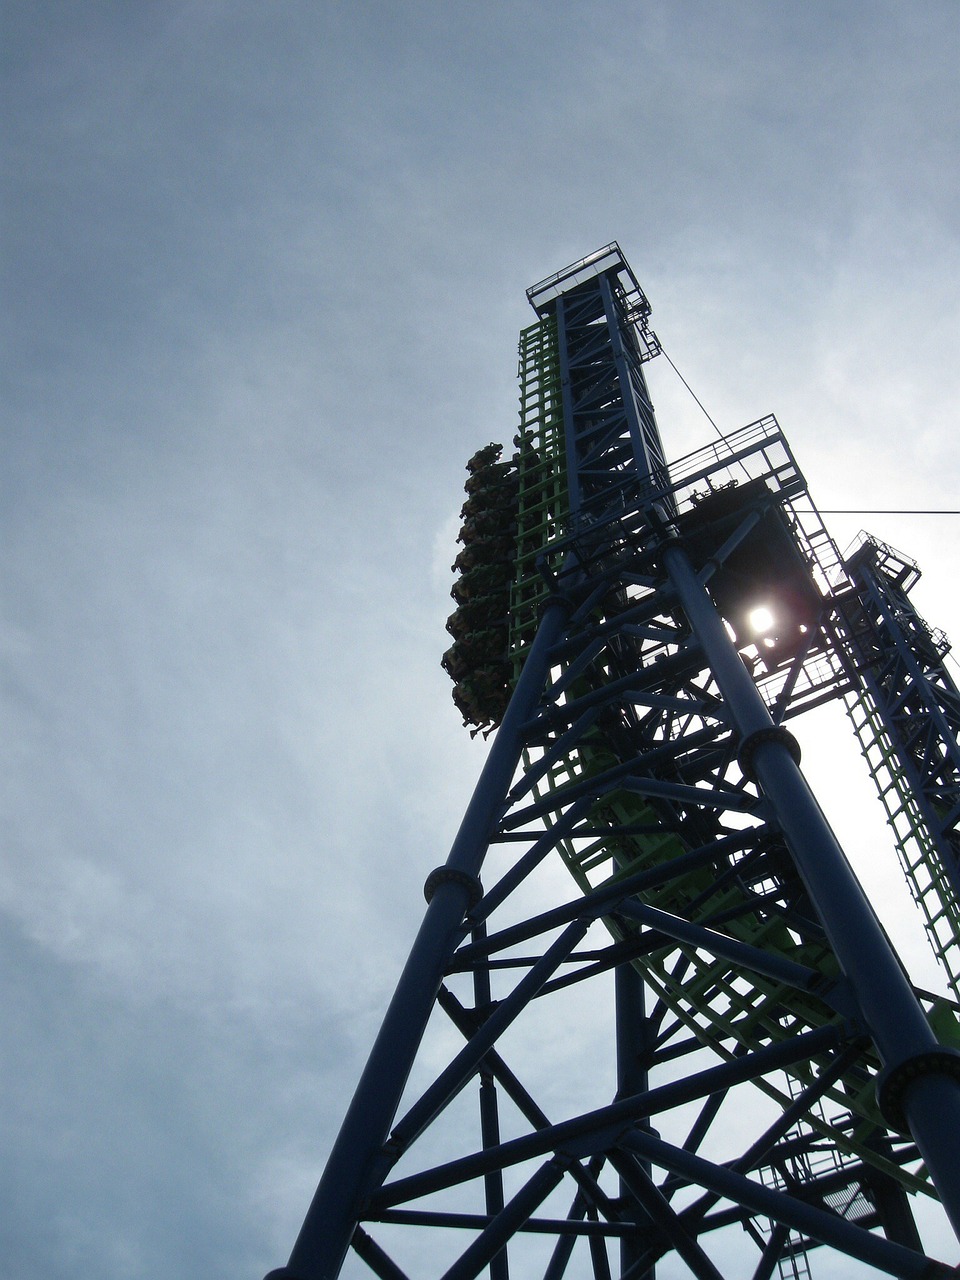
column 649, row 1014
column 905, row 707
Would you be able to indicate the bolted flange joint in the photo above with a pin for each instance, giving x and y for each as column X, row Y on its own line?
column 893, row 1083
column 748, row 747
column 450, row 875
column 558, row 595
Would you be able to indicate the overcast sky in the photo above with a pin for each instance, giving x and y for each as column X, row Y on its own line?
column 263, row 276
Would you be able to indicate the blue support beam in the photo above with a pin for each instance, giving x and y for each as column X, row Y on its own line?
column 357, row 1162
column 757, row 1009
column 929, row 1095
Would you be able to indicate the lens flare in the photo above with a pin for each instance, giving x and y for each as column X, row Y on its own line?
column 761, row 619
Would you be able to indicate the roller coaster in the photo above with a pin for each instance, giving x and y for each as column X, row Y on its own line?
column 746, row 1079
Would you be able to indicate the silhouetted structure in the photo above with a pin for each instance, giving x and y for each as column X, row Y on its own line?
column 767, row 1079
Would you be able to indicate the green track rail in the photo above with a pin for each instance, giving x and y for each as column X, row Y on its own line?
column 541, row 468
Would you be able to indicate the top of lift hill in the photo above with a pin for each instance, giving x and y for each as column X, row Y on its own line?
column 542, row 295
column 758, row 453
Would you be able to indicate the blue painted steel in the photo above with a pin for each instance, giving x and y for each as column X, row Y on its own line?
column 890, row 1009
column 882, row 1254
column 356, row 1163
column 613, row 445
column 489, row 1115
column 905, row 707
column 501, row 1228
column 594, row 1127
column 743, row 951
column 902, row 664
column 468, row 1060
column 633, row 1053
column 638, row 410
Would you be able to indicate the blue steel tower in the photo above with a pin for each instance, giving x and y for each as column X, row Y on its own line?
column 650, row 1025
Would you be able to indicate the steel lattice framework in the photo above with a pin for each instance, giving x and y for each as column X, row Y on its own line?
column 906, row 710
column 766, row 1080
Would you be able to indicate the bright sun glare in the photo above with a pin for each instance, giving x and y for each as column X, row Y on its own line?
column 761, row 619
